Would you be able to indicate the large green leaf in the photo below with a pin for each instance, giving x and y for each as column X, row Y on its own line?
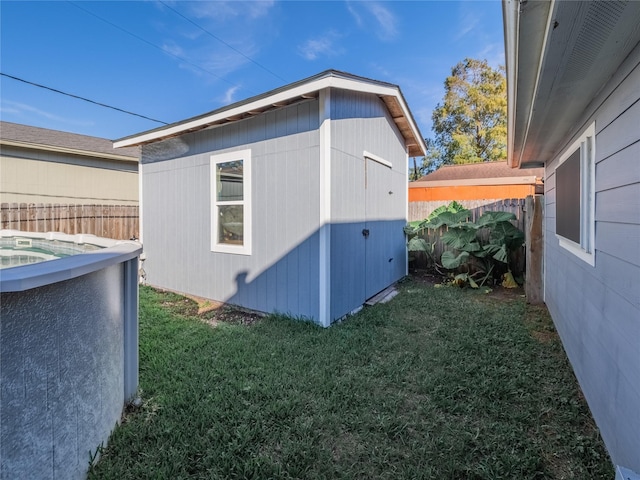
column 419, row 244
column 450, row 261
column 449, row 219
column 460, row 238
column 490, row 219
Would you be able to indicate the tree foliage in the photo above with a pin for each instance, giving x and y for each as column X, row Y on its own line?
column 429, row 163
column 471, row 122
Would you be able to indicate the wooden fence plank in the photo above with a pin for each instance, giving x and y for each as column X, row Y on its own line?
column 112, row 221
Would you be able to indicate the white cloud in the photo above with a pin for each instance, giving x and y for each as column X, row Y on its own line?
column 323, row 46
column 356, row 16
column 387, row 22
column 493, row 53
column 229, row 95
column 173, row 49
column 224, row 10
column 375, row 17
column 20, row 109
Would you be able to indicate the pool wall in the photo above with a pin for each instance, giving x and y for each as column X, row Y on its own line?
column 68, row 359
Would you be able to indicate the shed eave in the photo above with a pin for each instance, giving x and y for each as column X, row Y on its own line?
column 299, row 91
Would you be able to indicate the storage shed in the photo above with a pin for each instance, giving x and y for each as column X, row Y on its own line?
column 293, row 201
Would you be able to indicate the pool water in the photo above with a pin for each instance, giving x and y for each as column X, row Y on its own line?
column 17, row 251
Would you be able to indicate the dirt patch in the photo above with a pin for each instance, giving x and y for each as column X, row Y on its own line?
column 231, row 315
column 429, row 277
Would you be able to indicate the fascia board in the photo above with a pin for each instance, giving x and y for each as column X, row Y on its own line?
column 477, row 182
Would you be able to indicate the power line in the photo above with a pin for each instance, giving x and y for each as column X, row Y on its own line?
column 154, row 45
column 222, row 41
column 81, row 98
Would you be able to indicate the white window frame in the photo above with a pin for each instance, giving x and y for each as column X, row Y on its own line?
column 586, row 143
column 245, row 156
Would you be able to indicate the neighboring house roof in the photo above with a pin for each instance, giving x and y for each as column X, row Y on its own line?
column 558, row 56
column 485, row 173
column 37, row 138
column 290, row 94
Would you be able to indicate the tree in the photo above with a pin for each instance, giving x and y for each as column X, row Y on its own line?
column 429, row 163
column 471, row 122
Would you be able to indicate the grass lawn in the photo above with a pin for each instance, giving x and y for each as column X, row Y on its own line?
column 439, row 383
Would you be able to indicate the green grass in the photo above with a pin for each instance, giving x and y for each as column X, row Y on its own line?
column 439, row 383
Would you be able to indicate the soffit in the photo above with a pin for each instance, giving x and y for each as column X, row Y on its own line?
column 558, row 78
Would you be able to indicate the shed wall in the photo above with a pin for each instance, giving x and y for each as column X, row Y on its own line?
column 281, row 274
column 360, row 199
column 597, row 309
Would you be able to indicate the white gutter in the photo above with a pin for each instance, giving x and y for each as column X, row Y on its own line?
column 511, row 16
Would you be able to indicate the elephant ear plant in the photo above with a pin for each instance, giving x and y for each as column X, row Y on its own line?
column 476, row 249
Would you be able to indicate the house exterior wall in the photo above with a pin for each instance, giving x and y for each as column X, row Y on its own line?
column 597, row 309
column 360, row 199
column 281, row 274
column 33, row 176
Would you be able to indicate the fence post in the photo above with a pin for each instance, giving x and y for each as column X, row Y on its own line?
column 534, row 278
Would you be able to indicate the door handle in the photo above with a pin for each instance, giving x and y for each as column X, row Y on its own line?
column 365, row 232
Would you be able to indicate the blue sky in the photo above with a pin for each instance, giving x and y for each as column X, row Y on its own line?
column 171, row 60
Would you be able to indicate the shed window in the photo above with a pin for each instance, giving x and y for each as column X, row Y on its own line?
column 575, row 197
column 231, row 202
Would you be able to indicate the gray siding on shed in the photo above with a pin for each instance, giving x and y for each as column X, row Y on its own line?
column 597, row 309
column 360, row 199
column 282, row 272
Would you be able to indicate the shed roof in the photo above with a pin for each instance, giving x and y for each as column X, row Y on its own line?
column 480, row 172
column 37, row 138
column 290, row 94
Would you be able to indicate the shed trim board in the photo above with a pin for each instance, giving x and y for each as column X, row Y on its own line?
column 281, row 97
column 324, row 256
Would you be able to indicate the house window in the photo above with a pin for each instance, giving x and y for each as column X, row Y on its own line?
column 231, row 202
column 575, row 197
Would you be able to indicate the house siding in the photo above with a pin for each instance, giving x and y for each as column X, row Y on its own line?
column 281, row 274
column 34, row 176
column 597, row 309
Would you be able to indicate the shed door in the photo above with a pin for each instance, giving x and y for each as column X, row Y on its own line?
column 380, row 261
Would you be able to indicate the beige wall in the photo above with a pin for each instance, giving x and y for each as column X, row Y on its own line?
column 35, row 181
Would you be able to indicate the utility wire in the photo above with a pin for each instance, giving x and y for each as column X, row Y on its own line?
column 222, row 41
column 81, row 98
column 154, row 45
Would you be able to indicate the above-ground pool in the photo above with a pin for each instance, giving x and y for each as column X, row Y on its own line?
column 68, row 349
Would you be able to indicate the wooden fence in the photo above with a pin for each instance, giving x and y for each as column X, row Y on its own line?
column 119, row 222
column 513, row 205
column 421, row 210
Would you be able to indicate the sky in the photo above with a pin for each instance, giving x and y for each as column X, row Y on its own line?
column 172, row 60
